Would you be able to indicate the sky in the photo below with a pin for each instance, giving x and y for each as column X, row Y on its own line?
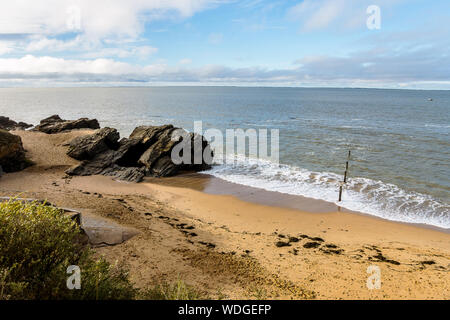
column 309, row 43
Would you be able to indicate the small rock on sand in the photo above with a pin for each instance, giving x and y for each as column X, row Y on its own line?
column 281, row 244
column 309, row 245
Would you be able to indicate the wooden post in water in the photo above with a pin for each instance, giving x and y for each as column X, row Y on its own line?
column 345, row 176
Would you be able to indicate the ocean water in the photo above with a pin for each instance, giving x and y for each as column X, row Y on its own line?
column 399, row 140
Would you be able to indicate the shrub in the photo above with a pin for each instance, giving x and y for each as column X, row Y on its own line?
column 171, row 291
column 37, row 244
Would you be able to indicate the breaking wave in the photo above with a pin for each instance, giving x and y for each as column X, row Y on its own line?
column 364, row 195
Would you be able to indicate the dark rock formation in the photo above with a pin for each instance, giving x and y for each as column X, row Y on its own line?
column 132, row 174
column 12, row 154
column 8, row 124
column 86, row 147
column 147, row 152
column 55, row 124
column 157, row 158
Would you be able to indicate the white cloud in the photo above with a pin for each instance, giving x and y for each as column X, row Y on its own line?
column 110, row 30
column 99, row 18
column 90, row 49
column 44, row 43
column 322, row 14
column 43, row 67
column 122, row 52
column 4, row 48
column 88, row 29
column 319, row 13
column 422, row 68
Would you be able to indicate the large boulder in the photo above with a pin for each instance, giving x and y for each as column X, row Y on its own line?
column 86, row 147
column 8, row 124
column 12, row 154
column 147, row 152
column 161, row 143
column 149, row 134
column 157, row 158
column 54, row 124
column 112, row 163
column 120, row 162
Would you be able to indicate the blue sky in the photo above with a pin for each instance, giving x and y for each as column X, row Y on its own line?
column 213, row 42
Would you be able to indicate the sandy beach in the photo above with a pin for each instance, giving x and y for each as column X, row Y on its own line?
column 222, row 237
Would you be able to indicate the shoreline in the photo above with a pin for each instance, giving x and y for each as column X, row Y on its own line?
column 209, row 184
column 198, row 198
column 212, row 185
column 235, row 248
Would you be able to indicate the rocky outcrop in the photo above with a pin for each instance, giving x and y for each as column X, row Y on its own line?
column 86, row 147
column 147, row 152
column 12, row 154
column 54, row 124
column 8, row 124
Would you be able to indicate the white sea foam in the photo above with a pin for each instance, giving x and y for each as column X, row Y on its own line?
column 363, row 195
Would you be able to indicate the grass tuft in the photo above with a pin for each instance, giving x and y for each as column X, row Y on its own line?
column 177, row 290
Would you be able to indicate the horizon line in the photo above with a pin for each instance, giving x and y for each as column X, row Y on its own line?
column 210, row 86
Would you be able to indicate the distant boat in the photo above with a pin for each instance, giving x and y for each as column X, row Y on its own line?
column 430, row 99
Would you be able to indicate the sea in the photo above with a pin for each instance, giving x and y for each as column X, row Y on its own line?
column 399, row 139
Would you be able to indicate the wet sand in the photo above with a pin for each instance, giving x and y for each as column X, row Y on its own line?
column 226, row 239
column 212, row 185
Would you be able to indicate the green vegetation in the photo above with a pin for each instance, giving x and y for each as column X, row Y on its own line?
column 37, row 244
column 175, row 291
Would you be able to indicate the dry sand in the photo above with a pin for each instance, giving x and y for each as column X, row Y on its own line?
column 221, row 237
